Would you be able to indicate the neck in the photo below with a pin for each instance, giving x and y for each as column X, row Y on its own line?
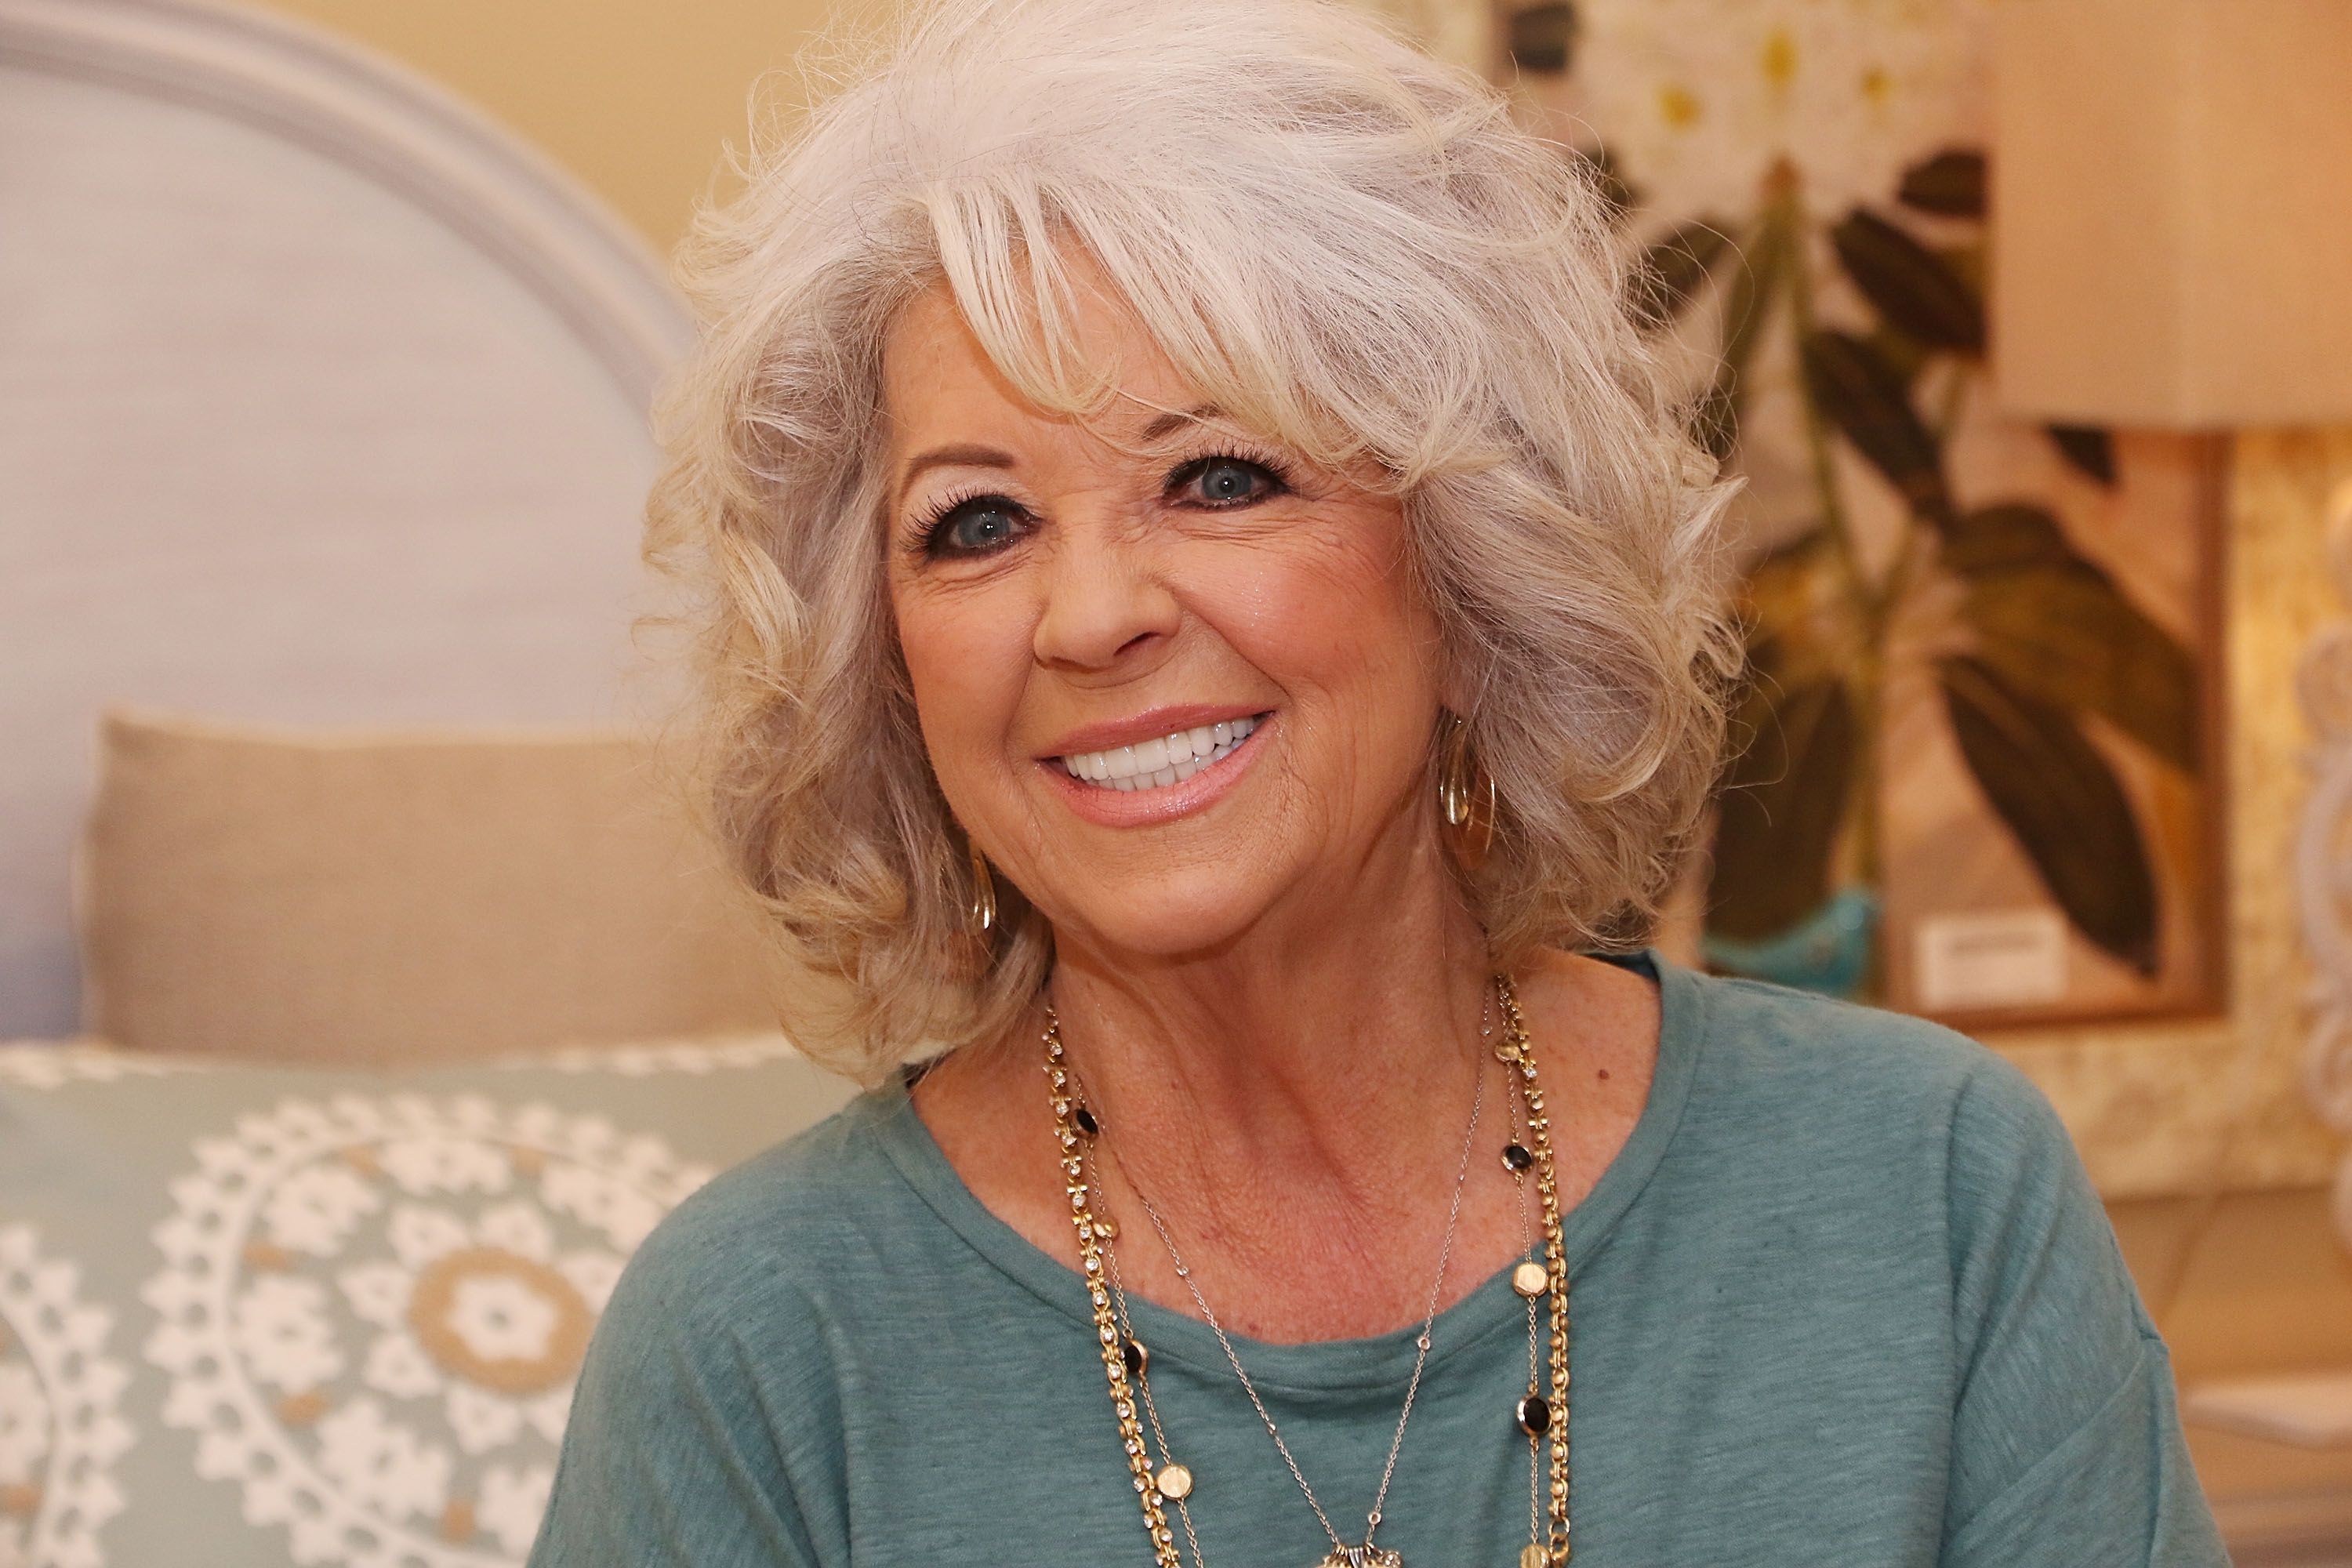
column 1316, row 1077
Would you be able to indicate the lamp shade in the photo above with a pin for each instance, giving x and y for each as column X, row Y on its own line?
column 2172, row 210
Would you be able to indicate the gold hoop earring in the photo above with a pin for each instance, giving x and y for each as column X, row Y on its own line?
column 1465, row 796
column 980, row 913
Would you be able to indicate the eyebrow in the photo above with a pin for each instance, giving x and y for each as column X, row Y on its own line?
column 1168, row 422
column 973, row 457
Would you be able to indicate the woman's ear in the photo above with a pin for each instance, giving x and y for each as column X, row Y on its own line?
column 1458, row 688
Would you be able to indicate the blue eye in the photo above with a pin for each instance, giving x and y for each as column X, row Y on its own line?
column 1226, row 481
column 975, row 525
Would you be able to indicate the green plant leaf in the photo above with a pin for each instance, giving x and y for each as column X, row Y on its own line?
column 1543, row 39
column 2090, row 449
column 1852, row 383
column 2055, row 622
column 1915, row 289
column 1673, row 270
column 2012, row 534
column 2063, row 802
column 1757, row 275
column 2069, row 637
column 1969, row 264
column 2068, row 634
column 1905, row 354
column 1782, row 803
column 1951, row 183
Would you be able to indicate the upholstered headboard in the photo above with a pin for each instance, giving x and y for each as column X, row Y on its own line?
column 321, row 401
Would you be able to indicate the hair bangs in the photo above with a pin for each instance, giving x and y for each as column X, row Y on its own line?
column 1004, row 247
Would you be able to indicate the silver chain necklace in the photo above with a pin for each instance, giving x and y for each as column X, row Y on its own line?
column 1342, row 1555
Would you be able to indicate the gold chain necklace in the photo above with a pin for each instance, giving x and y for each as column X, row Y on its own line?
column 1542, row 1413
column 1341, row 1555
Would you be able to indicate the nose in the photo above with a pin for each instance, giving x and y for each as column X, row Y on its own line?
column 1106, row 607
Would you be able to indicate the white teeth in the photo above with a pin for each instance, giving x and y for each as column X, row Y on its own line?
column 1157, row 764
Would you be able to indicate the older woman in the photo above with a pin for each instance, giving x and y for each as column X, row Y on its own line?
column 1211, row 621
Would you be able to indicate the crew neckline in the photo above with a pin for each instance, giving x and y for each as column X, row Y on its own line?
column 1323, row 1365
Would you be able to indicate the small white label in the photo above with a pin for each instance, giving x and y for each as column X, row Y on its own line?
column 1992, row 958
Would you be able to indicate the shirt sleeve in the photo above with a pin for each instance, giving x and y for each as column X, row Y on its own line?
column 668, row 1460
column 2066, row 1444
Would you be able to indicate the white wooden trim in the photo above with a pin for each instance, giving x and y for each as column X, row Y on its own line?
column 393, row 128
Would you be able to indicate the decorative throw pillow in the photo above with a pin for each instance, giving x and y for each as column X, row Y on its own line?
column 401, row 897
column 260, row 1315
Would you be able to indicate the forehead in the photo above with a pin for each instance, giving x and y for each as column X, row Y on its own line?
column 938, row 378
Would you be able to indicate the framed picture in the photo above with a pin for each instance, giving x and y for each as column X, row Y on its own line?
column 1979, row 757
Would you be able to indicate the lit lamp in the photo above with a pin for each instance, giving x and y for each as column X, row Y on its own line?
column 2172, row 250
column 2172, row 212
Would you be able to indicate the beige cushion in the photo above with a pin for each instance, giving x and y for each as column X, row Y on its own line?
column 399, row 896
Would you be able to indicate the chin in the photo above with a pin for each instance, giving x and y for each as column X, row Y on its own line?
column 1172, row 916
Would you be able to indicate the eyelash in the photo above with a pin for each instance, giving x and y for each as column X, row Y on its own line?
column 932, row 527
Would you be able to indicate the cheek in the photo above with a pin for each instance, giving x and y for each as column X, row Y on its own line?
column 965, row 658
column 1337, row 618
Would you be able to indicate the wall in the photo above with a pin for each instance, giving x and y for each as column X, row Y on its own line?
column 2268, row 1285
column 636, row 97
column 633, row 96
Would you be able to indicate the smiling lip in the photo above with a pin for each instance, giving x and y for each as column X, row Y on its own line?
column 1142, row 808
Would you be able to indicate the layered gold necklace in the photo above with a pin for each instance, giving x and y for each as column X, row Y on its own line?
column 1541, row 1414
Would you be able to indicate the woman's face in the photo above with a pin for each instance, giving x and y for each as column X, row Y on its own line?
column 1170, row 691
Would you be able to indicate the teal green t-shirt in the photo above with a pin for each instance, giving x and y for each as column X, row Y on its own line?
column 1846, row 1299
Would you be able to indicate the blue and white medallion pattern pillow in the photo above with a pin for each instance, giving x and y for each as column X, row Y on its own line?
column 280, row 1315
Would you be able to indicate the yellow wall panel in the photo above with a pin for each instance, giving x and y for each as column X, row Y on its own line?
column 634, row 98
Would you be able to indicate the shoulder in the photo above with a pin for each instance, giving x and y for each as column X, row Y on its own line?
column 706, row 1392
column 1877, row 1111
column 751, row 1247
column 1778, row 1052
column 1918, row 1138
